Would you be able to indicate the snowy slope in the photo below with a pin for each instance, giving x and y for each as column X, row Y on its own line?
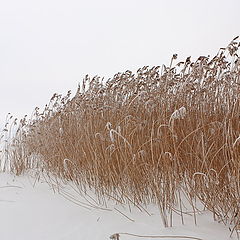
column 32, row 211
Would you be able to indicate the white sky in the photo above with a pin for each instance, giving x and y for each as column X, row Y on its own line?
column 48, row 46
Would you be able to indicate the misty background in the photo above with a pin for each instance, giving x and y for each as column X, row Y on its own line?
column 49, row 46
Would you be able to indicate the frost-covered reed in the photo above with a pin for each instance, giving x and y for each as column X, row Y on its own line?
column 144, row 137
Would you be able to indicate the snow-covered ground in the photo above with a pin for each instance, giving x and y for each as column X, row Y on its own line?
column 31, row 210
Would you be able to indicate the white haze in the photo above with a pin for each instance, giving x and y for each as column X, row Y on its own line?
column 49, row 46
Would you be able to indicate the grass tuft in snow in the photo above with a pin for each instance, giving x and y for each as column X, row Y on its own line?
column 145, row 137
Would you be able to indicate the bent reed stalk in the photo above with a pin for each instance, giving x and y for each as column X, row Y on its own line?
column 145, row 137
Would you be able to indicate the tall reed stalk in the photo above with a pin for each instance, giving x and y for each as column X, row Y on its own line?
column 143, row 137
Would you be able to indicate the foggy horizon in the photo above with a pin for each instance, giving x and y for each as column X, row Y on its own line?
column 48, row 47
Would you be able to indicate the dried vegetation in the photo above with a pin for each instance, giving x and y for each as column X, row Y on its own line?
column 145, row 137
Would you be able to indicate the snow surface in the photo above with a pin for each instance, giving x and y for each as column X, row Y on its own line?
column 31, row 210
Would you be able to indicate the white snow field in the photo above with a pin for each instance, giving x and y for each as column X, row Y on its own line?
column 31, row 210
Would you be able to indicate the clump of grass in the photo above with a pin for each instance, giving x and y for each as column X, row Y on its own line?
column 144, row 137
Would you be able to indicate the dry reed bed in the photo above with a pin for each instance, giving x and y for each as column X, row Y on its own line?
column 145, row 137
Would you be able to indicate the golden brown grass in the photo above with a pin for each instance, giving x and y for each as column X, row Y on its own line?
column 146, row 137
